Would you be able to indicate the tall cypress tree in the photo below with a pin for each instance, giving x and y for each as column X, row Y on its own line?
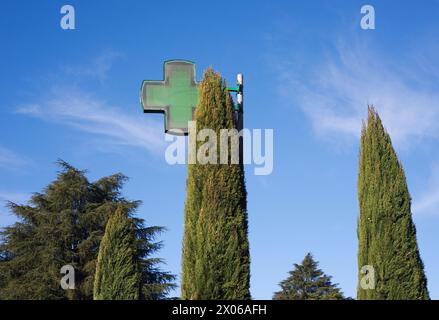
column 216, row 261
column 386, row 233
column 117, row 272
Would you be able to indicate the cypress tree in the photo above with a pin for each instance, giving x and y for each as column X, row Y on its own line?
column 216, row 261
column 386, row 233
column 308, row 282
column 117, row 276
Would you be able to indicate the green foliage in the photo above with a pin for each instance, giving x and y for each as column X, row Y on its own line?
column 64, row 225
column 117, row 276
column 386, row 233
column 307, row 282
column 216, row 260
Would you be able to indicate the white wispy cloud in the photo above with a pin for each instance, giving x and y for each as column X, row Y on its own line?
column 96, row 68
column 11, row 160
column 427, row 202
column 334, row 90
column 335, row 93
column 84, row 112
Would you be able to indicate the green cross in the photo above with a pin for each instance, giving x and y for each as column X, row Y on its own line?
column 176, row 96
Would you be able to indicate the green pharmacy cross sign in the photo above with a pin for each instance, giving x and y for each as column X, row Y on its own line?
column 176, row 96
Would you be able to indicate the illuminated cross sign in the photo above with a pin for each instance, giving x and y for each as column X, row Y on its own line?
column 176, row 96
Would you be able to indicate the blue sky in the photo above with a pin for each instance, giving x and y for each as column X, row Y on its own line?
column 310, row 71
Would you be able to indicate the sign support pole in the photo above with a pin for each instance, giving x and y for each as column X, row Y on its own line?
column 239, row 108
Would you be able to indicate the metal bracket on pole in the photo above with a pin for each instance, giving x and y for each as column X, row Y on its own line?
column 239, row 89
column 239, row 106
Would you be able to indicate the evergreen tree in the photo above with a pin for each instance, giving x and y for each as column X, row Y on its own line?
column 64, row 225
column 386, row 233
column 307, row 282
column 117, row 276
column 216, row 261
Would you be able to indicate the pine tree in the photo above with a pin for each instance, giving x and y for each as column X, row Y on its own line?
column 307, row 282
column 64, row 225
column 386, row 233
column 117, row 276
column 216, row 259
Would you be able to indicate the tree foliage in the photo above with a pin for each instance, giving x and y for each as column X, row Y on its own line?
column 216, row 261
column 117, row 273
column 307, row 282
column 63, row 225
column 386, row 233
